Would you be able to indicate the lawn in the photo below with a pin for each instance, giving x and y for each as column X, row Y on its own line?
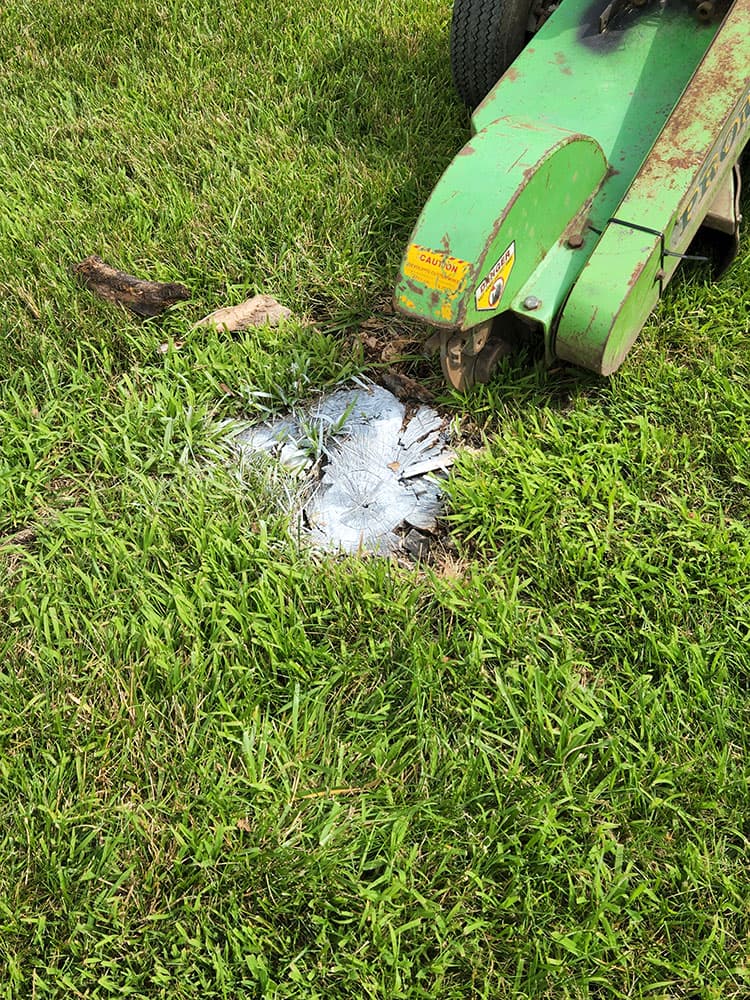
column 232, row 767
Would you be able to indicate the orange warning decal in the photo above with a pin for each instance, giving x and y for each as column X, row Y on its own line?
column 434, row 268
column 490, row 289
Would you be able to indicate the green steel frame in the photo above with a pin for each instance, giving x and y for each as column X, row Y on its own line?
column 593, row 162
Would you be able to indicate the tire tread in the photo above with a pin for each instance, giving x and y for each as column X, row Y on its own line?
column 486, row 36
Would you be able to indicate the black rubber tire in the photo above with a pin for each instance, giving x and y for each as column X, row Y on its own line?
column 486, row 36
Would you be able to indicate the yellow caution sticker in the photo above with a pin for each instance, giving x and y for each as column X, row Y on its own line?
column 434, row 268
column 490, row 289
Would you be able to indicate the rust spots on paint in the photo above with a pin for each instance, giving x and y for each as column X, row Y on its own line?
column 636, row 273
column 562, row 62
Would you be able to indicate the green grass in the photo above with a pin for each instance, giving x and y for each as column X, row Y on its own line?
column 233, row 768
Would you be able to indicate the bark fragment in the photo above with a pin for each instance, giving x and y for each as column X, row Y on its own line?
column 144, row 298
column 260, row 310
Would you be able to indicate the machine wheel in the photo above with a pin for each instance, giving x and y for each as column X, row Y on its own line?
column 470, row 357
column 486, row 36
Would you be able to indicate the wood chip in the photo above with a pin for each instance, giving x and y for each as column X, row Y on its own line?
column 405, row 388
column 439, row 464
column 144, row 298
column 175, row 344
column 260, row 310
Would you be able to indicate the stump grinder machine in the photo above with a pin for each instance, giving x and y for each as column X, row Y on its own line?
column 605, row 134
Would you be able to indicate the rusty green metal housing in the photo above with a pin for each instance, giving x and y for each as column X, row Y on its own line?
column 593, row 162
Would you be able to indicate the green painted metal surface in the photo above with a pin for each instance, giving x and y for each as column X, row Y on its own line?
column 558, row 143
column 671, row 193
column 489, row 198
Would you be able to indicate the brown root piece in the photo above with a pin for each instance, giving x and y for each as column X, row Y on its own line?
column 404, row 388
column 144, row 298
